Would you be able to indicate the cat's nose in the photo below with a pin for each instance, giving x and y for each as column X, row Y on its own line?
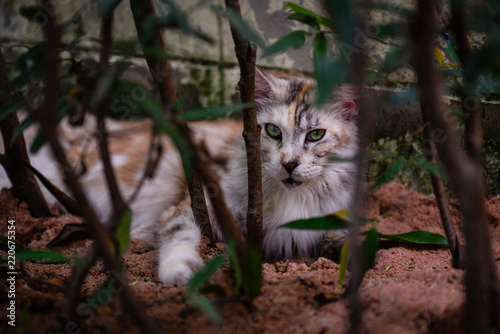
column 290, row 165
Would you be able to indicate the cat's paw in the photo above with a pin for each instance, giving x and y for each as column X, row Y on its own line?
column 178, row 271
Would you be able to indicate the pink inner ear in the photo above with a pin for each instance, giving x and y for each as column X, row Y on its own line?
column 262, row 85
column 348, row 108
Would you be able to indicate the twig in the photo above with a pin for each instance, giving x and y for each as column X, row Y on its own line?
column 440, row 193
column 473, row 141
column 199, row 206
column 246, row 52
column 67, row 202
column 364, row 125
column 119, row 205
column 46, row 118
column 141, row 10
column 155, row 151
column 24, row 185
column 465, row 174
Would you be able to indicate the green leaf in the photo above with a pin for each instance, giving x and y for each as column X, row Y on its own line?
column 321, row 68
column 63, row 27
column 241, row 26
column 345, row 255
column 40, row 256
column 207, row 307
column 309, row 20
column 37, row 143
column 418, row 237
column 9, row 109
column 293, row 40
column 392, row 171
column 450, row 49
column 123, row 231
column 331, row 222
column 26, row 123
column 308, row 16
column 206, row 272
column 104, row 294
column 212, row 112
column 107, row 83
column 394, row 59
column 252, row 272
column 428, row 166
column 5, row 242
column 28, row 12
column 369, row 249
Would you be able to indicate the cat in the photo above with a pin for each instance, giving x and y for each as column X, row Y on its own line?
column 299, row 177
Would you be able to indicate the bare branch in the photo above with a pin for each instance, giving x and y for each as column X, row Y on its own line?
column 458, row 257
column 246, row 52
column 142, row 10
column 119, row 205
column 465, row 174
column 46, row 118
column 24, row 185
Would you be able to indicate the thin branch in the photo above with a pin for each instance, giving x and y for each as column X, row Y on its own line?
column 119, row 205
column 466, row 177
column 24, row 185
column 162, row 74
column 364, row 125
column 440, row 193
column 473, row 142
column 47, row 119
column 246, row 53
column 198, row 204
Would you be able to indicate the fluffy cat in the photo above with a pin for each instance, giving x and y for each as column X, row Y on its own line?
column 300, row 180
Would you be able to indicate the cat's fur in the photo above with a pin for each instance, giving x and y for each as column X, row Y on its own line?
column 311, row 185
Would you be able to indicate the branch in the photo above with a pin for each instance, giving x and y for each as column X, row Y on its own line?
column 199, row 206
column 458, row 257
column 119, row 205
column 141, row 10
column 246, row 52
column 471, row 118
column 24, row 185
column 480, row 278
column 47, row 119
column 364, row 125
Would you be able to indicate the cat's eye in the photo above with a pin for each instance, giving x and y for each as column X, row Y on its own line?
column 315, row 135
column 273, row 131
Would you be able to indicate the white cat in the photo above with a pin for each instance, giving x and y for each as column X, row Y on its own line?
column 299, row 177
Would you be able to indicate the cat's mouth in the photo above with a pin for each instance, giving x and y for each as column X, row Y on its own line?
column 291, row 182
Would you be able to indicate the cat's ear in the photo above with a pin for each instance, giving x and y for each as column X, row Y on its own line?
column 263, row 86
column 347, row 97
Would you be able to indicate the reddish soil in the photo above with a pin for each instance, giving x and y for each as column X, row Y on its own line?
column 411, row 289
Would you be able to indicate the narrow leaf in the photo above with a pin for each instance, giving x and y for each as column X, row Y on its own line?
column 206, row 272
column 207, row 307
column 252, row 272
column 41, row 256
column 9, row 109
column 241, row 26
column 344, row 260
column 293, row 40
column 123, row 231
column 212, row 112
column 428, row 166
column 330, row 222
column 418, row 237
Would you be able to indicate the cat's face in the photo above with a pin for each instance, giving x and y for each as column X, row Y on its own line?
column 298, row 138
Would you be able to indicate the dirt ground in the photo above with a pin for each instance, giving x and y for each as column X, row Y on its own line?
column 410, row 289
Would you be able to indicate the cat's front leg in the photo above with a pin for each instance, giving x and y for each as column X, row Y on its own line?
column 178, row 237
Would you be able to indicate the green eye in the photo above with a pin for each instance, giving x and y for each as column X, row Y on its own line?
column 273, row 131
column 315, row 135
